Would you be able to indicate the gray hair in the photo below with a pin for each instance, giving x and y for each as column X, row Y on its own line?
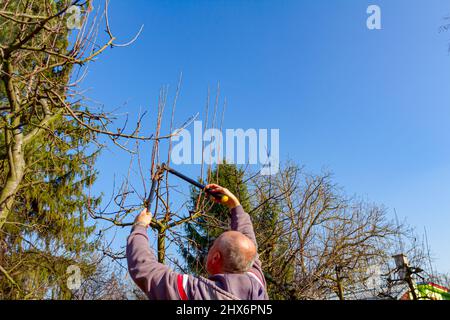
column 234, row 260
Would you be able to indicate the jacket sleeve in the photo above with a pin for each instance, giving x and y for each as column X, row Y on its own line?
column 156, row 279
column 241, row 221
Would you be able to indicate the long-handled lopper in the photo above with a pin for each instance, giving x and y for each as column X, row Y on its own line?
column 218, row 196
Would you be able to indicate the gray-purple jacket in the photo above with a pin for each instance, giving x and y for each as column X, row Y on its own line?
column 160, row 282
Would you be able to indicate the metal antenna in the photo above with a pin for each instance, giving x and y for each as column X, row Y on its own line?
column 428, row 251
column 400, row 242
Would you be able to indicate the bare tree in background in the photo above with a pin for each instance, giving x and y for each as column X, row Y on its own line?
column 108, row 282
column 315, row 241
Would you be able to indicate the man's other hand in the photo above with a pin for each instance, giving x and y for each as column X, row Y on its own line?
column 232, row 202
column 144, row 218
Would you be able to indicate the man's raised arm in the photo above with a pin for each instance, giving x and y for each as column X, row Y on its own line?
column 157, row 280
column 241, row 221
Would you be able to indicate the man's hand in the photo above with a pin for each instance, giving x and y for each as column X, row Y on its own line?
column 232, row 202
column 144, row 218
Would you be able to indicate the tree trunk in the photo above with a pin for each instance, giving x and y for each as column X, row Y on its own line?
column 15, row 148
column 340, row 287
column 161, row 245
column 15, row 175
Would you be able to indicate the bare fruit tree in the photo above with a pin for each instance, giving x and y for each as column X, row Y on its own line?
column 128, row 198
column 50, row 135
column 37, row 68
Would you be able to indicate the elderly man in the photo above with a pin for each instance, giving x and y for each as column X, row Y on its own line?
column 234, row 268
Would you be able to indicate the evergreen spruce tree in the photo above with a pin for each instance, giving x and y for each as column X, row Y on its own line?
column 46, row 228
column 204, row 230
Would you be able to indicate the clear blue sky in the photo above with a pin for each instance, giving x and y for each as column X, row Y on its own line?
column 372, row 106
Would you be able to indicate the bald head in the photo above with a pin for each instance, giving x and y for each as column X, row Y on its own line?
column 237, row 251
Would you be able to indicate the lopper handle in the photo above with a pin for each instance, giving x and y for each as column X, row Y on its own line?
column 221, row 197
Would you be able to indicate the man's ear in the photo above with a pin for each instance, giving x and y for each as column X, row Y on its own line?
column 216, row 257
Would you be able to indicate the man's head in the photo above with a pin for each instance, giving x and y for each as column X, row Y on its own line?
column 231, row 252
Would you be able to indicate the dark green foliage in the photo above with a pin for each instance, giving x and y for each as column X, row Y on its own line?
column 47, row 229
